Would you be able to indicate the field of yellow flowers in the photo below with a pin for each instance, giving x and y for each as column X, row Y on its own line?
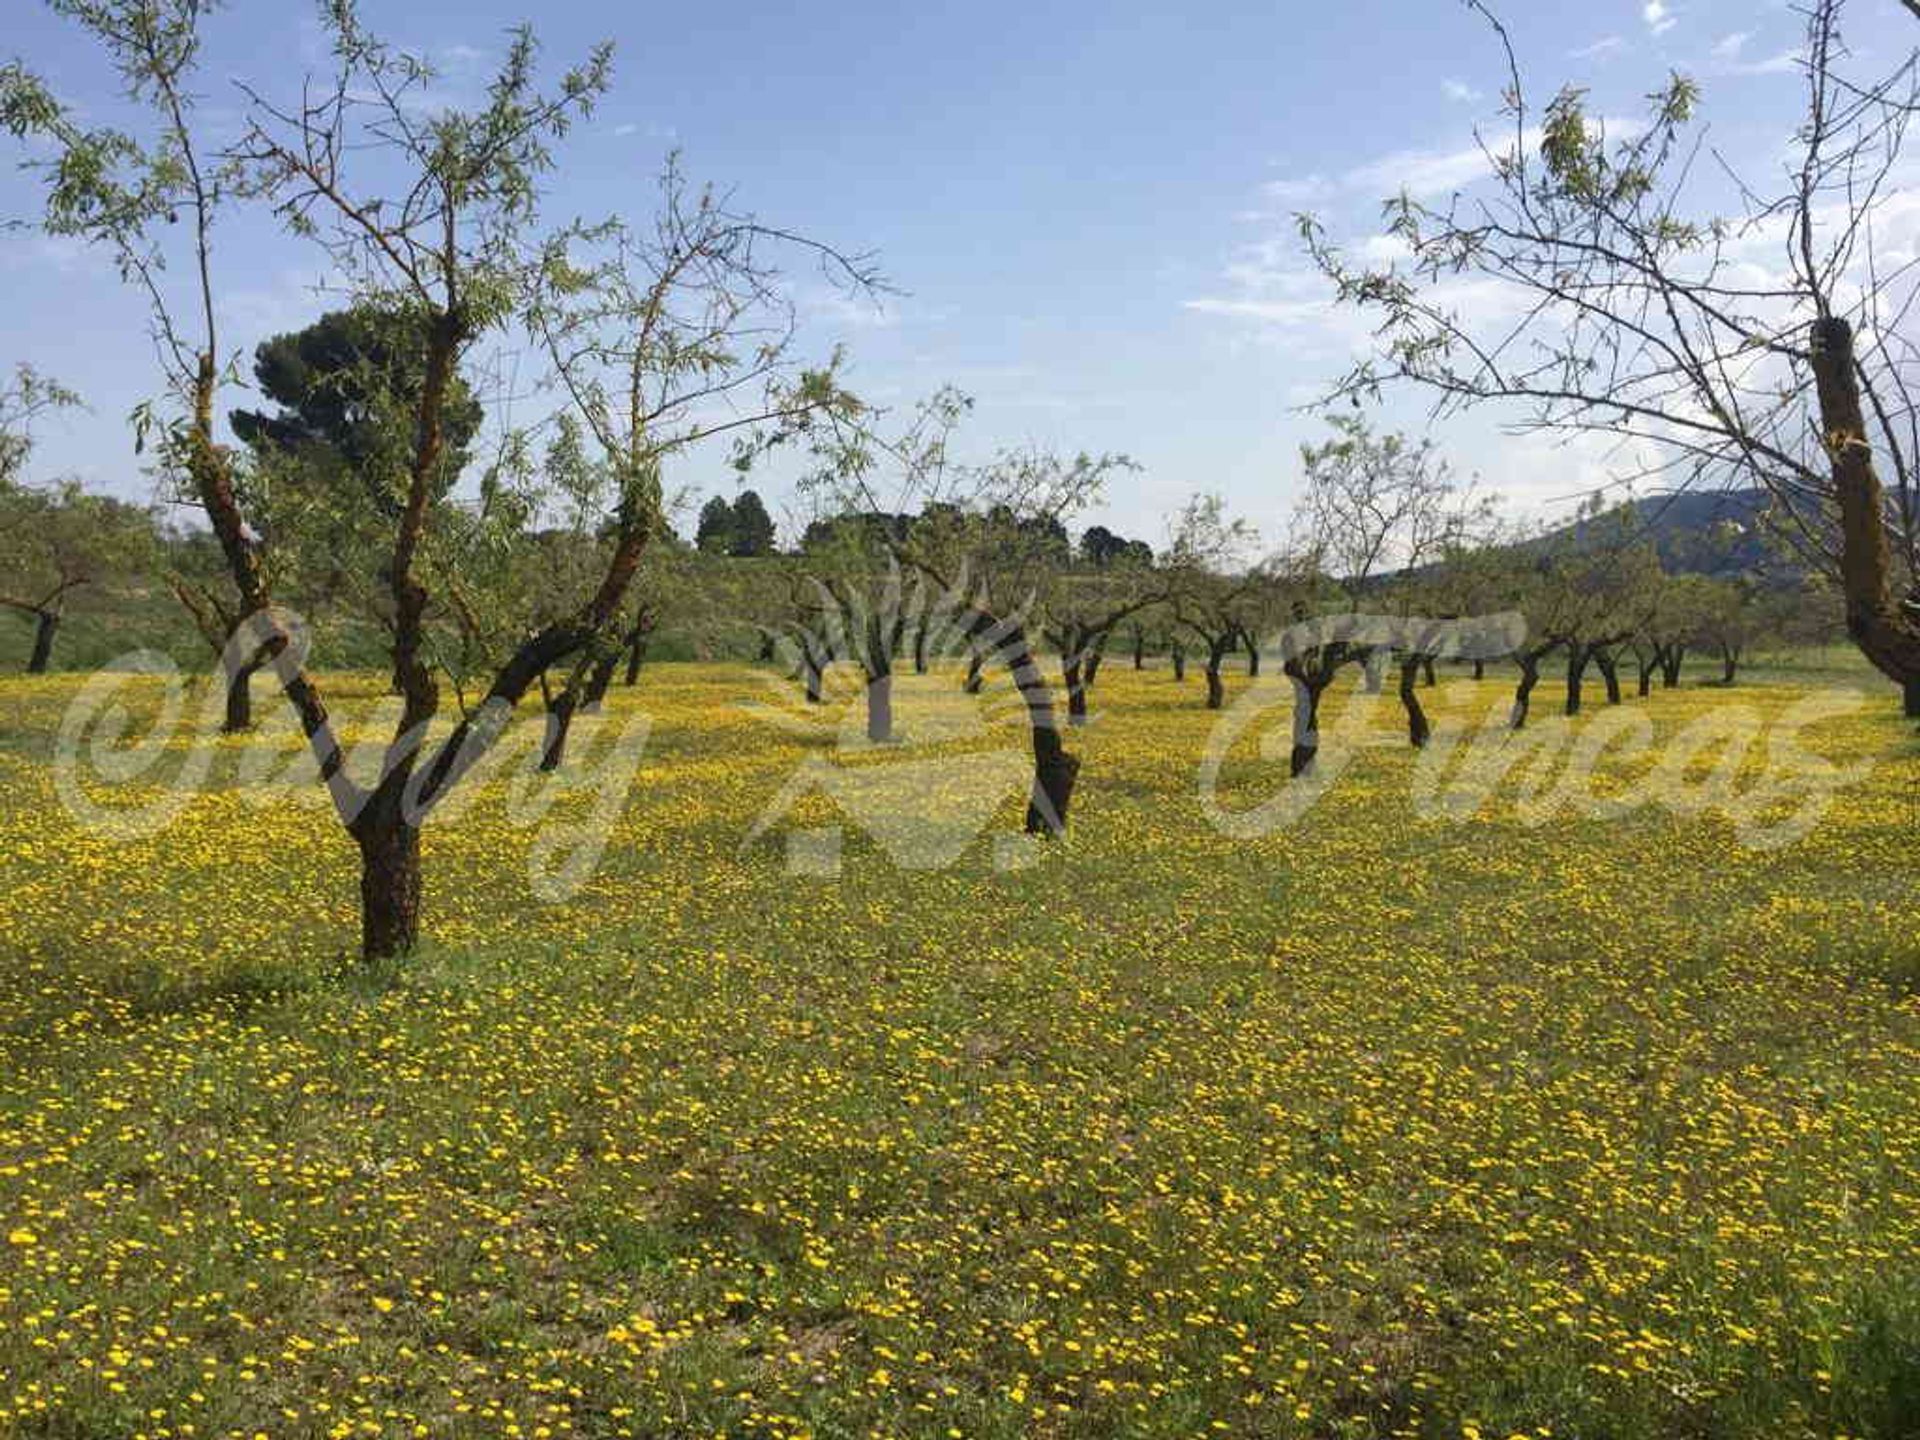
column 1497, row 1116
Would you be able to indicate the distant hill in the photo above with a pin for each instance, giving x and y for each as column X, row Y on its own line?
column 1683, row 527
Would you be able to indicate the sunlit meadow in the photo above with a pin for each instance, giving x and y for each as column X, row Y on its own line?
column 1393, row 1121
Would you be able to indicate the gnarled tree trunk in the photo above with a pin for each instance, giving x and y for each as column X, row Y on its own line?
column 560, row 711
column 45, row 623
column 1577, row 656
column 390, row 882
column 599, row 681
column 1418, row 730
column 239, row 716
column 1529, row 663
column 1609, row 673
column 1309, row 684
column 1076, row 687
column 1886, row 634
column 1670, row 664
column 1373, row 670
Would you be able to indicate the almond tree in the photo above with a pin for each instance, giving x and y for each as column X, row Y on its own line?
column 1763, row 347
column 1212, row 596
column 58, row 541
column 1082, row 607
column 23, row 399
column 1375, row 510
column 662, row 338
column 425, row 212
column 1671, row 624
column 982, row 542
column 28, row 394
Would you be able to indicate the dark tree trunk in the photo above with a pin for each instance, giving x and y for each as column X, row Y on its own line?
column 1054, row 769
column 600, row 680
column 1609, row 674
column 1479, row 669
column 975, row 662
column 1887, row 633
column 1076, row 688
column 1306, row 722
column 1092, row 668
column 239, row 717
column 880, row 707
column 1216, row 692
column 920, row 648
column 1644, row 666
column 1729, row 664
column 1523, row 692
column 1178, row 656
column 636, row 656
column 45, row 622
column 1670, row 664
column 814, row 659
column 1426, row 670
column 389, row 884
column 1418, row 730
column 553, row 750
column 1054, row 772
column 1253, row 658
column 1139, row 649
column 1577, row 656
column 1374, row 670
column 1910, row 698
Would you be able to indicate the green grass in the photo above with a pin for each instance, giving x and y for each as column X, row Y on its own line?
column 1385, row 1122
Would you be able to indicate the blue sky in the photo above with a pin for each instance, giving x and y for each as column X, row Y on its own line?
column 1088, row 207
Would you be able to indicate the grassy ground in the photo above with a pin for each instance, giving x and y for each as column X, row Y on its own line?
column 1415, row 1115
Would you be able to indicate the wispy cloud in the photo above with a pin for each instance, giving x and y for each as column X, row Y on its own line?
column 1728, row 47
column 1459, row 90
column 1426, row 172
column 1601, row 49
column 1659, row 16
column 1420, row 173
column 1787, row 62
column 1296, row 191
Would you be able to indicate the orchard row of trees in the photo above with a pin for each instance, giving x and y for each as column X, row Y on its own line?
column 1380, row 529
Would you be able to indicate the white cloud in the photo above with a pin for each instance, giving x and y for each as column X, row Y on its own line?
column 1600, row 49
column 1294, row 192
column 1787, row 62
column 1458, row 90
column 1728, row 47
column 1424, row 172
column 1658, row 16
column 1420, row 173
